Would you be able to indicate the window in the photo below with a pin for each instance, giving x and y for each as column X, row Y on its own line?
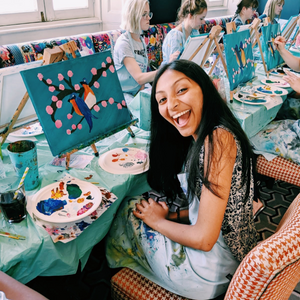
column 30, row 11
column 216, row 3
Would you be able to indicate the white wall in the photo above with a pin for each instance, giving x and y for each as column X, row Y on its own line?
column 107, row 18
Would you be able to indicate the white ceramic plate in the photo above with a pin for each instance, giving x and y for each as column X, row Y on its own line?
column 30, row 130
column 278, row 82
column 74, row 198
column 269, row 90
column 246, row 100
column 125, row 161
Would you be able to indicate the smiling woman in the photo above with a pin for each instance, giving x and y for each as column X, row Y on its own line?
column 198, row 151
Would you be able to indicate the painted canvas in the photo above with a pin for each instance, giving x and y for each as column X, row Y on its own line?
column 78, row 101
column 239, row 57
column 271, row 55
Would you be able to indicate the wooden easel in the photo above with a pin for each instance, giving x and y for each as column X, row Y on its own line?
column 50, row 56
column 297, row 32
column 213, row 42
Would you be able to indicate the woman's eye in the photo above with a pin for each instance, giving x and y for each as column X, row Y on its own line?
column 182, row 90
column 162, row 100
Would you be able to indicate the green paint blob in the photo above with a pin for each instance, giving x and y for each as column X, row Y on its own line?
column 179, row 259
column 74, row 191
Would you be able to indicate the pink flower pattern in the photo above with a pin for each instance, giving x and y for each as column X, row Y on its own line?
column 104, row 104
column 51, row 88
column 70, row 73
column 60, row 77
column 54, row 98
column 49, row 110
column 111, row 101
column 49, row 81
column 58, row 123
column 61, row 87
column 94, row 71
column 69, row 116
column 96, row 84
column 59, row 104
column 40, row 76
column 119, row 106
column 96, row 108
column 77, row 87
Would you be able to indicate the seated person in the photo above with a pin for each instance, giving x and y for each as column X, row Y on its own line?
column 11, row 289
column 130, row 51
column 204, row 154
column 245, row 11
column 290, row 109
column 292, row 61
column 273, row 10
column 190, row 18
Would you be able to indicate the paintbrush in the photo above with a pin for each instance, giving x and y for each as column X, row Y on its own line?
column 12, row 236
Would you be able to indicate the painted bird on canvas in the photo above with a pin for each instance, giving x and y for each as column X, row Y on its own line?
column 271, row 45
column 240, row 55
column 81, row 109
column 88, row 96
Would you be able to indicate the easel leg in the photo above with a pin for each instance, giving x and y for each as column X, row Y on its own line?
column 130, row 131
column 95, row 150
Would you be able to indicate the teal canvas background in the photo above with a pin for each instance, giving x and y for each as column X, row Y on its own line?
column 269, row 33
column 239, row 57
column 50, row 88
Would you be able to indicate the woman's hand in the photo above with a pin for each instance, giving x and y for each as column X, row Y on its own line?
column 151, row 212
column 279, row 43
column 293, row 80
column 174, row 56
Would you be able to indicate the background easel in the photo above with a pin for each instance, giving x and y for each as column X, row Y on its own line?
column 297, row 21
column 213, row 43
column 231, row 28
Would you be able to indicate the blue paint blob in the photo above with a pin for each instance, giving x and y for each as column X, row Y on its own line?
column 82, row 225
column 48, row 207
column 74, row 191
column 125, row 149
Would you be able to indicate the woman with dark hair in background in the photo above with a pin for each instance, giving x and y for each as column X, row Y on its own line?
column 245, row 11
column 197, row 148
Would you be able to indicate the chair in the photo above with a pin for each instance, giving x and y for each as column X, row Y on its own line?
column 270, row 271
column 279, row 168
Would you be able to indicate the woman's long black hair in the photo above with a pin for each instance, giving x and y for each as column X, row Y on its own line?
column 169, row 149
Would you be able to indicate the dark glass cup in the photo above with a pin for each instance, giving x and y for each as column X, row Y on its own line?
column 13, row 204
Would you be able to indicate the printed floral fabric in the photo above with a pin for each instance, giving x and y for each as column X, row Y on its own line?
column 101, row 42
column 281, row 138
column 238, row 227
column 68, row 232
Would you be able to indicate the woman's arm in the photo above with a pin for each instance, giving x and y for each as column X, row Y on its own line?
column 292, row 61
column 134, row 69
column 204, row 234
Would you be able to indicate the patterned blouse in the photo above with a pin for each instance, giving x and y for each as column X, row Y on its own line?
column 238, row 228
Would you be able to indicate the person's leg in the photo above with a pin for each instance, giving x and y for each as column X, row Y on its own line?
column 15, row 290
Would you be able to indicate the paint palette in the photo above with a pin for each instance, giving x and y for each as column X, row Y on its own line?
column 66, row 201
column 270, row 90
column 125, row 161
column 30, row 130
column 249, row 100
column 277, row 82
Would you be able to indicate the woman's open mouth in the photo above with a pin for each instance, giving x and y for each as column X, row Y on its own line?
column 182, row 118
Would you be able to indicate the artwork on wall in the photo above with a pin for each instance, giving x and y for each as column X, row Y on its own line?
column 239, row 57
column 272, row 57
column 78, row 101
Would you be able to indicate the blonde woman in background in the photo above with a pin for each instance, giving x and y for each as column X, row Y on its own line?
column 273, row 10
column 130, row 51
